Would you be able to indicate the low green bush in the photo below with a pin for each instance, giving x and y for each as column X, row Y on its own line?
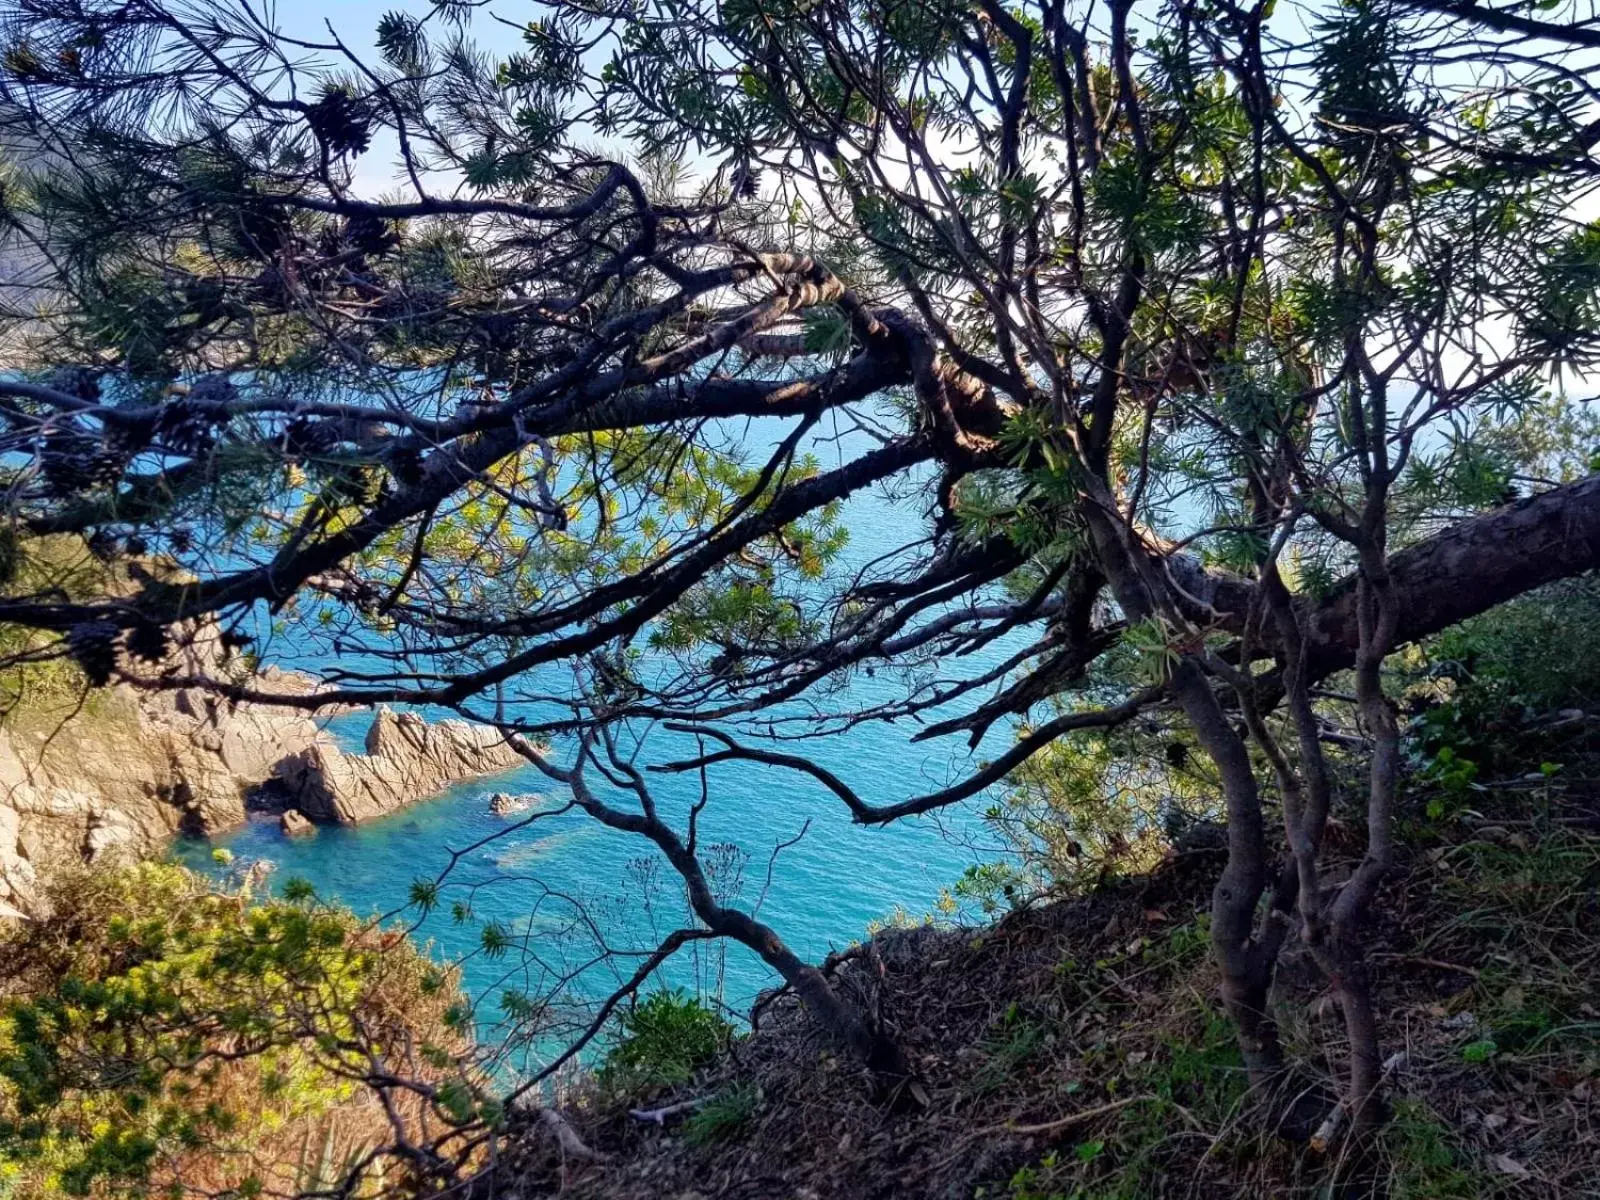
column 723, row 1116
column 663, row 1040
column 1475, row 686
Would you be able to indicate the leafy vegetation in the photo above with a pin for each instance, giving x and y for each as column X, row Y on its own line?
column 663, row 1040
column 723, row 1115
column 1478, row 684
column 1211, row 358
column 157, row 1034
column 41, row 679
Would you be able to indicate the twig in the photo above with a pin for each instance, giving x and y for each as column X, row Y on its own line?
column 659, row 1116
column 1088, row 1114
column 1077, row 1118
column 1436, row 963
column 572, row 1146
column 1328, row 1130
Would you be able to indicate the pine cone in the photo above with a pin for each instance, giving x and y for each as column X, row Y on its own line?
column 370, row 235
column 72, row 461
column 341, row 122
column 185, row 429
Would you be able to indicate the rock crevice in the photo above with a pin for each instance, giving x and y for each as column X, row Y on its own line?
column 406, row 758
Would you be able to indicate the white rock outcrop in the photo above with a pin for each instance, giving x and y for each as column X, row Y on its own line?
column 118, row 779
column 505, row 804
column 294, row 822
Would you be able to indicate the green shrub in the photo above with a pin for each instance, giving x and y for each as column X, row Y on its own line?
column 722, row 1116
column 1091, row 804
column 663, row 1040
column 1540, row 651
column 158, row 1034
column 1479, row 682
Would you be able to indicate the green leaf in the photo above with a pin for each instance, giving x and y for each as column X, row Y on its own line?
column 827, row 331
column 425, row 894
column 1479, row 1052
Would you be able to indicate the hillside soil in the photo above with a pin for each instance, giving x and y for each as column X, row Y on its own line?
column 1076, row 1049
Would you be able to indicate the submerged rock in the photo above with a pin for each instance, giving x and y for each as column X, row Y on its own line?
column 505, row 804
column 256, row 871
column 295, row 822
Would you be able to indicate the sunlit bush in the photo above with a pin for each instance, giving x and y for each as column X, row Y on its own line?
column 157, row 1035
column 662, row 1040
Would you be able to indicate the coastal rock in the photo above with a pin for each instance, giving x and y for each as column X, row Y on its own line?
column 255, row 873
column 18, row 881
column 295, row 822
column 112, row 836
column 505, row 804
column 406, row 759
column 105, row 784
column 117, row 777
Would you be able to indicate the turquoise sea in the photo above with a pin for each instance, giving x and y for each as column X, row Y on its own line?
column 562, row 884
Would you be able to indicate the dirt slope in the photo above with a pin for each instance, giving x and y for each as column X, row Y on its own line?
column 1076, row 1050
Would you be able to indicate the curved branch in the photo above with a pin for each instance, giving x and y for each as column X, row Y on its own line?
column 882, row 814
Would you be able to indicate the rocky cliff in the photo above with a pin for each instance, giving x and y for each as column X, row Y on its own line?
column 128, row 770
column 406, row 757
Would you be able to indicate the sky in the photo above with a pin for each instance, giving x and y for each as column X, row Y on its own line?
column 306, row 18
column 356, row 21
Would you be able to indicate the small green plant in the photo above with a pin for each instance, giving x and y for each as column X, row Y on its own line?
column 663, row 1040
column 723, row 1116
column 1007, row 1048
column 1424, row 1161
column 1154, row 653
column 1480, row 1051
column 1191, row 941
column 1025, row 1185
column 1455, row 777
column 329, row 1166
column 1199, row 1068
column 993, row 886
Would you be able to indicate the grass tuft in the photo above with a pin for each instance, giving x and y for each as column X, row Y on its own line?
column 723, row 1116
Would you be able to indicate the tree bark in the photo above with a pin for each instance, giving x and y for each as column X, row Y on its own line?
column 1242, row 960
column 1353, row 906
column 880, row 1054
column 1459, row 573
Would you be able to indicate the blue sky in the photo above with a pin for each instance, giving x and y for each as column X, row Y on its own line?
column 352, row 18
column 355, row 20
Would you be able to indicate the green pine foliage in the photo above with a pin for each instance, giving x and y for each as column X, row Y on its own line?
column 160, row 1034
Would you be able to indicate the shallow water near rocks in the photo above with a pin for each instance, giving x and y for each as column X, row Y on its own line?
column 821, row 892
